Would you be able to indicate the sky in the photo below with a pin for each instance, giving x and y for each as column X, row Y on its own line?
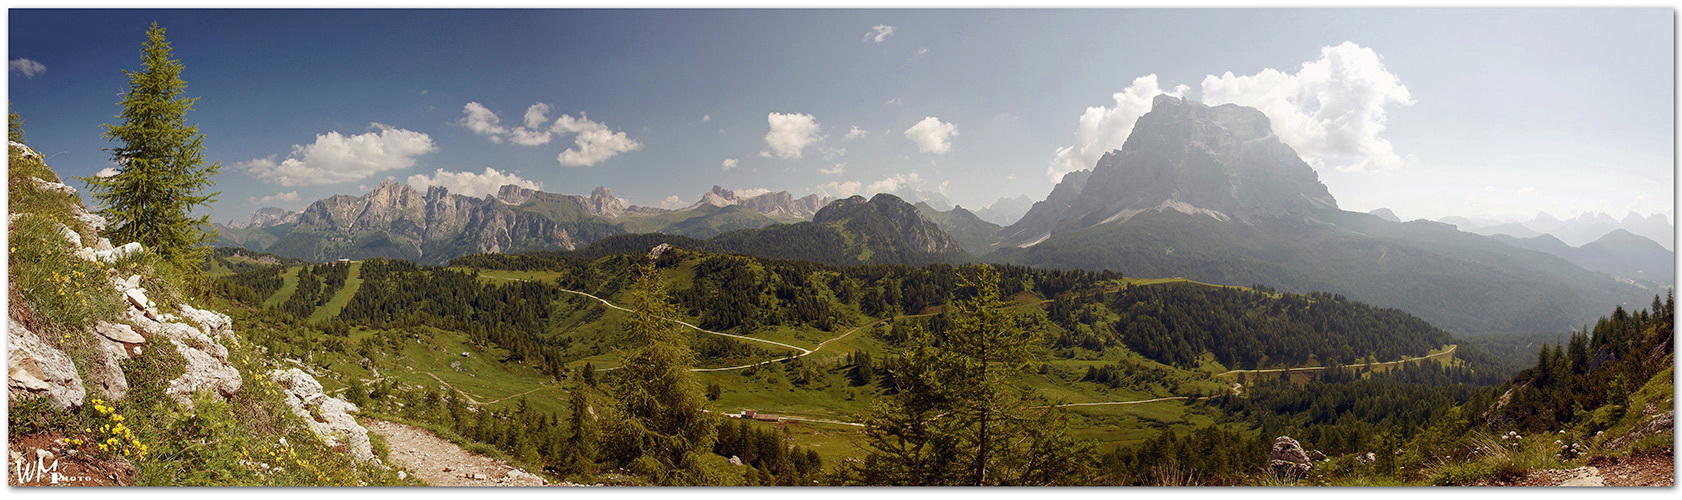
column 1488, row 113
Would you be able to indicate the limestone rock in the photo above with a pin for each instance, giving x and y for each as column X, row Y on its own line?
column 1366, row 458
column 36, row 367
column 1288, row 461
column 213, row 323
column 56, row 187
column 26, row 151
column 106, row 375
column 329, row 417
column 119, row 332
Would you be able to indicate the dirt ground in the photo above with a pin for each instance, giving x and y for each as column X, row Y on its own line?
column 44, row 460
column 1654, row 468
column 439, row 462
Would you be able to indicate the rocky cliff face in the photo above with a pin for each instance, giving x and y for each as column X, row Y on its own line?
column 778, row 204
column 438, row 225
column 1221, row 161
column 265, row 217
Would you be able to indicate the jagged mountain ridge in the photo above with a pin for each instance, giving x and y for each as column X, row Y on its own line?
column 881, row 230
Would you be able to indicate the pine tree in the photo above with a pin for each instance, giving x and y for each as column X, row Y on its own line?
column 161, row 174
column 14, row 132
column 662, row 398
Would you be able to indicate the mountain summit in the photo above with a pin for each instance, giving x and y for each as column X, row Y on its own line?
column 1222, row 161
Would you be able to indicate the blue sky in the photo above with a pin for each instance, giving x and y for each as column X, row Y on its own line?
column 1475, row 112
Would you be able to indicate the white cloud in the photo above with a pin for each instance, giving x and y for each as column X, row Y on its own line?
column 533, row 133
column 334, row 158
column 730, row 163
column 482, row 121
column 106, row 172
column 751, row 192
column 790, row 133
column 835, row 170
column 536, row 114
column 855, row 133
column 469, row 183
column 764, row 154
column 832, row 154
column 1102, row 129
column 879, row 33
column 1331, row 111
column 922, row 51
column 932, row 135
column 895, row 101
column 596, row 142
column 706, row 118
column 28, row 67
column 894, row 183
column 672, row 202
column 292, row 196
column 839, row 189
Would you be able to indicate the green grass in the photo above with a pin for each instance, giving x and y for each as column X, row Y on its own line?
column 288, row 285
column 331, row 309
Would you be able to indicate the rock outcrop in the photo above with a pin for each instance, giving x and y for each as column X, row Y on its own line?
column 327, row 416
column 1288, row 460
column 901, row 219
column 36, row 367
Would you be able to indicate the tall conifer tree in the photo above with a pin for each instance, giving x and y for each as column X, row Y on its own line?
column 161, row 172
column 660, row 395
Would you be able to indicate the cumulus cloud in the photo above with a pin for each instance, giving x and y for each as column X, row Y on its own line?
column 292, row 196
column 751, row 192
column 790, row 133
column 839, row 189
column 28, row 67
column 672, row 202
column 894, row 183
column 855, row 133
column 334, row 157
column 922, row 51
column 469, row 183
column 706, row 118
column 1331, row 111
column 932, row 135
column 1102, row 129
column 879, row 32
column 482, row 121
column 594, row 141
column 835, row 170
column 730, row 163
column 106, row 172
column 832, row 154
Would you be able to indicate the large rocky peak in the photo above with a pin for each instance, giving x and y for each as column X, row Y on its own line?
column 1221, row 161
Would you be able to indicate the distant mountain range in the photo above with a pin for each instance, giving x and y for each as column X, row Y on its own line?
column 1577, row 231
column 397, row 221
column 1209, row 193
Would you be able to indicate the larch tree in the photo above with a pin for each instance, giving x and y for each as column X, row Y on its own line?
column 161, row 173
column 661, row 397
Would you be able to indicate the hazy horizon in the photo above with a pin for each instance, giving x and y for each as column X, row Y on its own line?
column 1483, row 113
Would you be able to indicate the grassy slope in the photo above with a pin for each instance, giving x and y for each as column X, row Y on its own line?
column 288, row 285
column 353, row 282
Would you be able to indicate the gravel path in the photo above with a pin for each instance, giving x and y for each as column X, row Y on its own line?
column 439, row 462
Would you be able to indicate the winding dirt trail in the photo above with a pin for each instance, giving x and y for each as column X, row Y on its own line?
column 439, row 462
